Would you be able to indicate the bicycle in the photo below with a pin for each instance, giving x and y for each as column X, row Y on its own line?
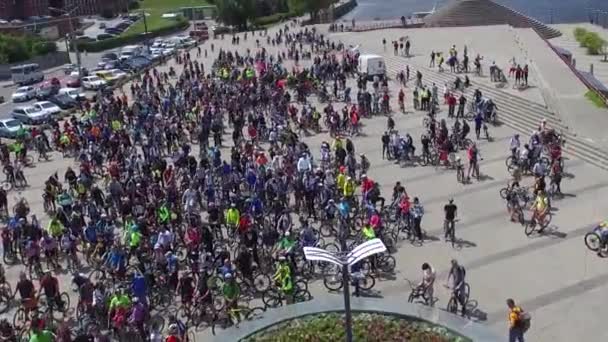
column 334, row 282
column 275, row 297
column 530, row 226
column 419, row 291
column 236, row 315
column 449, row 228
column 452, row 306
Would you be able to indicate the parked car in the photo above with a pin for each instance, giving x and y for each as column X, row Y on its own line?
column 63, row 101
column 102, row 26
column 47, row 89
column 23, row 94
column 73, row 93
column 30, row 115
column 47, row 107
column 73, row 82
column 110, row 56
column 137, row 63
column 10, row 127
column 93, row 82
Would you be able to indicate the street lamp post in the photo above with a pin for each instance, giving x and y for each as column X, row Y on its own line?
column 345, row 260
column 72, row 40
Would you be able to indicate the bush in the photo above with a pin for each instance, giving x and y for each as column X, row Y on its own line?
column 180, row 24
column 14, row 49
column 590, row 40
column 366, row 327
column 134, row 4
column 273, row 19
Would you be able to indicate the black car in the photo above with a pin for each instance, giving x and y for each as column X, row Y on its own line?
column 105, row 36
column 110, row 56
column 43, row 93
column 63, row 101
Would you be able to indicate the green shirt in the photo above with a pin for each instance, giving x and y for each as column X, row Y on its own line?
column 231, row 290
column 43, row 336
column 232, row 216
column 135, row 239
column 120, row 301
column 286, row 243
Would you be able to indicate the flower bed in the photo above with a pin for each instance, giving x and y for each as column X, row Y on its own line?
column 366, row 327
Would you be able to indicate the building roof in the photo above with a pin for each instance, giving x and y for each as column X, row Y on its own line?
column 483, row 13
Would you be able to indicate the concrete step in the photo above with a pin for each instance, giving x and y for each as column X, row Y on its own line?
column 514, row 113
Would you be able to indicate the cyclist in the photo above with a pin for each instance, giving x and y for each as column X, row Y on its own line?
column 473, row 155
column 426, row 286
column 603, row 226
column 138, row 317
column 457, row 274
column 27, row 292
column 119, row 307
column 540, row 207
column 85, row 290
column 349, row 189
column 37, row 334
column 307, row 234
column 116, row 261
column 233, row 216
column 368, row 232
column 230, row 291
column 174, row 335
column 50, row 286
column 450, row 215
column 283, row 277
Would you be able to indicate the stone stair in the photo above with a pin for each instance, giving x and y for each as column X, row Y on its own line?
column 485, row 12
column 516, row 112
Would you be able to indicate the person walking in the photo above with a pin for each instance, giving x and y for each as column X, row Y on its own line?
column 451, row 104
column 519, row 322
column 417, row 213
column 432, row 63
column 526, row 75
column 385, row 141
column 462, row 101
column 407, row 48
column 384, row 44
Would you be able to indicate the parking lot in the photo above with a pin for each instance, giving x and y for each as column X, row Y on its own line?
column 90, row 61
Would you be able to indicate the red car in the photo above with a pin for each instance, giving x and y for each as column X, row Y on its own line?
column 72, row 82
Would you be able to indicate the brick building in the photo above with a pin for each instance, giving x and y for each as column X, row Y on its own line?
column 94, row 7
column 22, row 9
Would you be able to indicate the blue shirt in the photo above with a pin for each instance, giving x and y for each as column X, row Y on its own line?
column 138, row 285
column 344, row 208
column 90, row 234
column 116, row 260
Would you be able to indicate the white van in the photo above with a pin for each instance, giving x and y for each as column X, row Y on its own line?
column 130, row 51
column 372, row 65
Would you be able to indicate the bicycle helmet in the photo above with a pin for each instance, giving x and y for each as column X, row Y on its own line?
column 228, row 276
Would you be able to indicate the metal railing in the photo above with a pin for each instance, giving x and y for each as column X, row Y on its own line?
column 583, row 79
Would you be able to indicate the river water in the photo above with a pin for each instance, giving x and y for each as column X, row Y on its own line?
column 556, row 11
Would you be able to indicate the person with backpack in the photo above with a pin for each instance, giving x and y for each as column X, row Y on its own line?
column 519, row 322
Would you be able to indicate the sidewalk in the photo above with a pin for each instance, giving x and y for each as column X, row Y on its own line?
column 564, row 92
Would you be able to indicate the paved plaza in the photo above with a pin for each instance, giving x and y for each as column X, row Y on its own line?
column 553, row 275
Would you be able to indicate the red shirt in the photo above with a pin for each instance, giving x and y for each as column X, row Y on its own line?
column 367, row 185
column 405, row 205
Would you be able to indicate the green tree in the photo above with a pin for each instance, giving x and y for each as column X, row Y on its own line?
column 313, row 7
column 235, row 12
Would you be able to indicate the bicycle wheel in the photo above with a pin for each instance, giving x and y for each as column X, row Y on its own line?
column 467, row 292
column 255, row 313
column 333, row 282
column 530, row 227
column 504, row 192
column 190, row 337
column 367, row 282
column 452, row 305
column 271, row 298
column 65, row 302
column 302, row 296
column 387, row 264
column 20, row 318
column 6, row 186
column 546, row 221
column 261, row 282
column 593, row 241
column 5, row 302
column 460, row 176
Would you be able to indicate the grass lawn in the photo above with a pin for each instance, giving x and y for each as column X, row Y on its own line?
column 595, row 98
column 155, row 9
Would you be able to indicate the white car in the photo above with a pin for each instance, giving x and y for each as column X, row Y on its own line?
column 93, row 82
column 74, row 93
column 10, row 127
column 30, row 115
column 47, row 107
column 23, row 94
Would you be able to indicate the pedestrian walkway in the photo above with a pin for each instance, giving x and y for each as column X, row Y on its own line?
column 522, row 111
column 583, row 60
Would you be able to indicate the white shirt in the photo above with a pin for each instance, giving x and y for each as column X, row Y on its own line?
column 165, row 238
column 428, row 276
column 514, row 143
column 523, row 154
column 303, row 164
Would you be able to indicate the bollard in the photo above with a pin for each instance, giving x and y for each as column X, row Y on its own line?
column 591, row 69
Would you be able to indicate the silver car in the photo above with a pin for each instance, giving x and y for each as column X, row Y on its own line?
column 30, row 115
column 23, row 94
